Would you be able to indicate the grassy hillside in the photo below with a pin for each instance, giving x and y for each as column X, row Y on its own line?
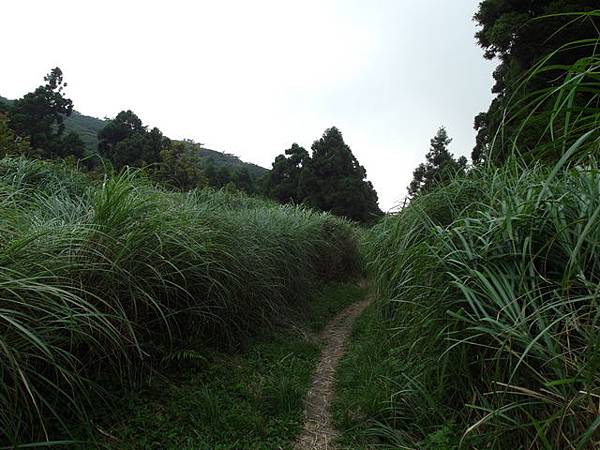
column 104, row 282
column 221, row 159
column 87, row 127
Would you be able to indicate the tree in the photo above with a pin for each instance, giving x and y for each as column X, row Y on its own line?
column 284, row 178
column 439, row 167
column 125, row 141
column 330, row 180
column 178, row 168
column 4, row 108
column 71, row 145
column 39, row 117
column 243, row 181
column 217, row 177
column 512, row 32
column 10, row 143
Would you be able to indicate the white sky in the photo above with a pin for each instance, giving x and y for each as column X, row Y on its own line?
column 252, row 77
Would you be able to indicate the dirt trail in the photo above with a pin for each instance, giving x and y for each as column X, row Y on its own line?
column 318, row 433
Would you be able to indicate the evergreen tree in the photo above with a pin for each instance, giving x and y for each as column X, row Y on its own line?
column 519, row 34
column 223, row 177
column 71, row 145
column 178, row 168
column 218, row 177
column 243, row 181
column 284, row 178
column 10, row 143
column 39, row 117
column 330, row 180
column 439, row 167
column 210, row 173
column 125, row 141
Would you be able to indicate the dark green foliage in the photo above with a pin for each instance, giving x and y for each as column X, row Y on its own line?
column 202, row 158
column 244, row 182
column 71, row 145
column 231, row 179
column 519, row 34
column 217, row 177
column 334, row 181
column 39, row 116
column 5, row 105
column 330, row 180
column 102, row 281
column 252, row 399
column 10, row 143
column 491, row 284
column 332, row 298
column 283, row 181
column 488, row 284
column 125, row 141
column 198, row 166
column 439, row 168
column 365, row 381
column 86, row 127
column 178, row 167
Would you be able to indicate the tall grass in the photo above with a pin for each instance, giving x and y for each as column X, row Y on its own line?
column 100, row 281
column 544, row 122
column 490, row 284
column 495, row 306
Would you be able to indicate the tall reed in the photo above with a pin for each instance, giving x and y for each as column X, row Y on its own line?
column 490, row 282
column 100, row 280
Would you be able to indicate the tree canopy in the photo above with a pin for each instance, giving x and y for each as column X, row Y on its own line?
column 439, row 167
column 331, row 179
column 178, row 167
column 284, row 179
column 39, row 117
column 125, row 141
column 518, row 34
column 10, row 143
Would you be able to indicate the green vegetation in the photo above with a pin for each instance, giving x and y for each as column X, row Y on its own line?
column 520, row 35
column 330, row 180
column 491, row 284
column 126, row 142
column 231, row 162
column 252, row 399
column 86, row 127
column 439, row 168
column 365, row 382
column 101, row 282
column 140, row 311
column 197, row 166
column 332, row 299
column 10, row 143
column 488, row 290
column 39, row 117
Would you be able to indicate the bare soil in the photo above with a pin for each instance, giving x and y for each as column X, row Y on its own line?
column 318, row 433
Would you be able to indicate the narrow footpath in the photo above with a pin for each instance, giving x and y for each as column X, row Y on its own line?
column 318, row 433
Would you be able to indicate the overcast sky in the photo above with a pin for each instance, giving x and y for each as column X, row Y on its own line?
column 252, row 77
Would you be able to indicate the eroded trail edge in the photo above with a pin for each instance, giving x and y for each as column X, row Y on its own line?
column 318, row 432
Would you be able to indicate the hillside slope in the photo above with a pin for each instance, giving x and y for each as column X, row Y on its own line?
column 87, row 127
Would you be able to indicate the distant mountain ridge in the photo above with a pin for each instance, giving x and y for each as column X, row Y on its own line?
column 87, row 127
